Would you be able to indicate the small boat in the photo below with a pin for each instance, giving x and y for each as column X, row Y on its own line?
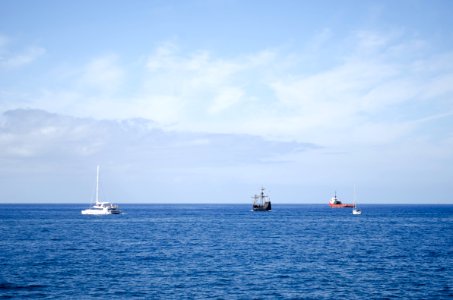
column 335, row 203
column 355, row 209
column 101, row 208
column 261, row 202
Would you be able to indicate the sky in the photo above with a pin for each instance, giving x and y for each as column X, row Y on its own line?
column 206, row 101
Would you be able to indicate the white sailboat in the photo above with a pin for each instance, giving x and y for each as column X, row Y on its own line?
column 101, row 208
column 355, row 209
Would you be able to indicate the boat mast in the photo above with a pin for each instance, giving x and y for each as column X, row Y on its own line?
column 262, row 196
column 97, row 184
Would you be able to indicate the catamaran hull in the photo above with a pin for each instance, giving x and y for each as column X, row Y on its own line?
column 99, row 212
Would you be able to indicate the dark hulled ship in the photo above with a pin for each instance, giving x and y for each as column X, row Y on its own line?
column 261, row 202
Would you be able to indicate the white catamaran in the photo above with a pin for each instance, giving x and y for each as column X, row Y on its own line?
column 101, row 208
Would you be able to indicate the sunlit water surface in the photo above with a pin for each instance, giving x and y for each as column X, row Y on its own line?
column 227, row 252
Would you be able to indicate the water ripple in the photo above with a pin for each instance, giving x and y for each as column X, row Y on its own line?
column 227, row 252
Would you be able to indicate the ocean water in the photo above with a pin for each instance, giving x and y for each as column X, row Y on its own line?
column 227, row 252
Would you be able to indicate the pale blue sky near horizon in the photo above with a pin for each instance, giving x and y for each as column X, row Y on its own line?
column 207, row 101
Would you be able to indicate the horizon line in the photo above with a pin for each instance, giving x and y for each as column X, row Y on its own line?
column 206, row 203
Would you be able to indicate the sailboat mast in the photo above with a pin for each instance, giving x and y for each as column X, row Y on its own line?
column 97, row 184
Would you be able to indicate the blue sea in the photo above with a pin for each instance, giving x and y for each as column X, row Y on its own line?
column 227, row 252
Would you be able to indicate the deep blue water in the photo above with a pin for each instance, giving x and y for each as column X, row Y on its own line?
column 227, row 252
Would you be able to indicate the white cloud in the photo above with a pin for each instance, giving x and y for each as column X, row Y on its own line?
column 18, row 60
column 11, row 58
column 185, row 89
column 225, row 99
column 356, row 101
column 351, row 101
column 271, row 93
column 103, row 74
column 372, row 41
column 39, row 134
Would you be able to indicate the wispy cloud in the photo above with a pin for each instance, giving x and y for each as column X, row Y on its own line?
column 193, row 84
column 23, row 58
column 225, row 99
column 102, row 74
column 13, row 59
column 361, row 96
column 271, row 93
column 39, row 135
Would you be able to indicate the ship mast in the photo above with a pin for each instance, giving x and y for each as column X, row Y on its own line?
column 262, row 196
column 97, row 184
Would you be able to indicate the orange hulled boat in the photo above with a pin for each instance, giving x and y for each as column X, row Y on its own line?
column 335, row 203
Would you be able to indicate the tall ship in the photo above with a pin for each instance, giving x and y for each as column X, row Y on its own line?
column 335, row 203
column 100, row 207
column 261, row 202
